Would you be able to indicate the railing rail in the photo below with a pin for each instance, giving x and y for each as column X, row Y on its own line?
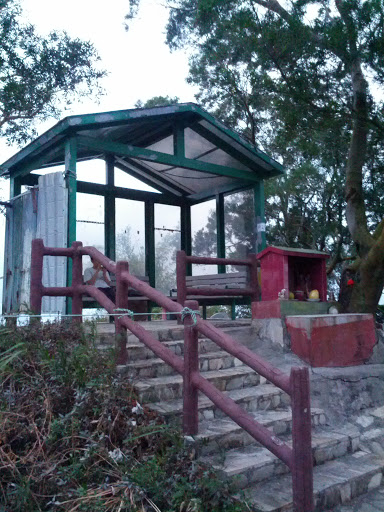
column 298, row 457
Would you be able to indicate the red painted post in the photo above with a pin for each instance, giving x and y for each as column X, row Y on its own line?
column 122, row 303
column 181, row 272
column 302, row 462
column 254, row 282
column 191, row 366
column 37, row 257
column 77, row 281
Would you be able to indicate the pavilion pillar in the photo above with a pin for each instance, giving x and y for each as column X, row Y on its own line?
column 15, row 187
column 220, row 231
column 71, row 184
column 150, row 242
column 110, row 209
column 186, row 233
column 259, row 203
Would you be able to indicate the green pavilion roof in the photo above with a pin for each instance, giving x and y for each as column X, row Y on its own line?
column 179, row 149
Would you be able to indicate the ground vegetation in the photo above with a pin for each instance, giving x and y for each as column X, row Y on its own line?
column 74, row 438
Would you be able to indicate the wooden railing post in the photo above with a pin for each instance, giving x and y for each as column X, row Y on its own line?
column 181, row 272
column 37, row 257
column 191, row 366
column 77, row 280
column 254, row 282
column 302, row 462
column 121, row 303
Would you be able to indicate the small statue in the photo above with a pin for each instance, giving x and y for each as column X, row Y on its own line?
column 283, row 294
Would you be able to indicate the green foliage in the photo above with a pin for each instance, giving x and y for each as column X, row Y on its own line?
column 39, row 76
column 157, row 101
column 72, row 437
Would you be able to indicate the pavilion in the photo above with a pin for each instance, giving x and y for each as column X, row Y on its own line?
column 180, row 150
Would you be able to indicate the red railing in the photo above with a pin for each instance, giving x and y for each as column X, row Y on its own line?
column 298, row 457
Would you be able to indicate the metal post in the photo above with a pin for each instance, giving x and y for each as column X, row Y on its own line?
column 259, row 216
column 36, row 275
column 220, row 233
column 121, row 303
column 302, row 462
column 191, row 366
column 150, row 251
column 186, row 233
column 110, row 209
column 71, row 184
column 77, row 280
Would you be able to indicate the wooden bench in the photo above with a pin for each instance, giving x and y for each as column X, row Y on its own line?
column 217, row 289
column 233, row 280
column 136, row 302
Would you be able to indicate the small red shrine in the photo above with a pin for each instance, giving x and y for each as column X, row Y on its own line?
column 319, row 338
column 297, row 270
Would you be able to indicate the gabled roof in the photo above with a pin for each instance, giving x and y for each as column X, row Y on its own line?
column 179, row 147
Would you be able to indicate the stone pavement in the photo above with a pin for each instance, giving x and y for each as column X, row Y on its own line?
column 371, row 502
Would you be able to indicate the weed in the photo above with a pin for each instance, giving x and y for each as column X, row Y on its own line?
column 72, row 437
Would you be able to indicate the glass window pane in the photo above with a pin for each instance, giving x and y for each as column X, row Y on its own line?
column 204, row 230
column 90, row 222
column 130, row 234
column 125, row 180
column 239, row 221
column 167, row 242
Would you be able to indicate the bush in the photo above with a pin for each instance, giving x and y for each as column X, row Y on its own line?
column 74, row 438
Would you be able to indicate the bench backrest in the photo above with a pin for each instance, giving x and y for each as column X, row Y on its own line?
column 224, row 281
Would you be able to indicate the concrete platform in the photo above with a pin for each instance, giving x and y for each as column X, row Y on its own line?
column 332, row 340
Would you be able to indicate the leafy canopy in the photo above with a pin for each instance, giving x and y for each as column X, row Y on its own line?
column 39, row 76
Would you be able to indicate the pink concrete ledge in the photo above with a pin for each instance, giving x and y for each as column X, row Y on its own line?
column 332, row 340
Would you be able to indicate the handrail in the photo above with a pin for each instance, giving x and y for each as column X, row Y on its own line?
column 298, row 458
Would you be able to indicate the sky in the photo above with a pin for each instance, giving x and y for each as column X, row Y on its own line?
column 139, row 66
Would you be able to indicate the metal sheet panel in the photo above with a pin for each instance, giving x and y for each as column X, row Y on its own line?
column 52, row 222
column 20, row 230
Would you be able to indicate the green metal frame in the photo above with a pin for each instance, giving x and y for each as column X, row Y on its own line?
column 110, row 209
column 71, row 184
column 76, row 138
column 259, row 202
column 165, row 158
column 150, row 254
column 220, row 231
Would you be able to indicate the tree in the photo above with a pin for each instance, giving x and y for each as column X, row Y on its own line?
column 301, row 70
column 157, row 101
column 39, row 76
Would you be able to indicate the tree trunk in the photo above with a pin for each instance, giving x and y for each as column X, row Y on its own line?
column 367, row 273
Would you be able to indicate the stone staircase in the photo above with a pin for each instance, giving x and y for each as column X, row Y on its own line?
column 348, row 463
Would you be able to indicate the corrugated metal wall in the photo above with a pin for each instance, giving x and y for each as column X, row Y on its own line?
column 52, row 224
column 39, row 213
column 20, row 230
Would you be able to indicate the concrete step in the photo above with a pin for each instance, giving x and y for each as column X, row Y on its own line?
column 252, row 464
column 335, row 482
column 373, row 501
column 138, row 351
column 171, row 387
column 219, row 435
column 152, row 368
column 262, row 397
column 168, row 331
